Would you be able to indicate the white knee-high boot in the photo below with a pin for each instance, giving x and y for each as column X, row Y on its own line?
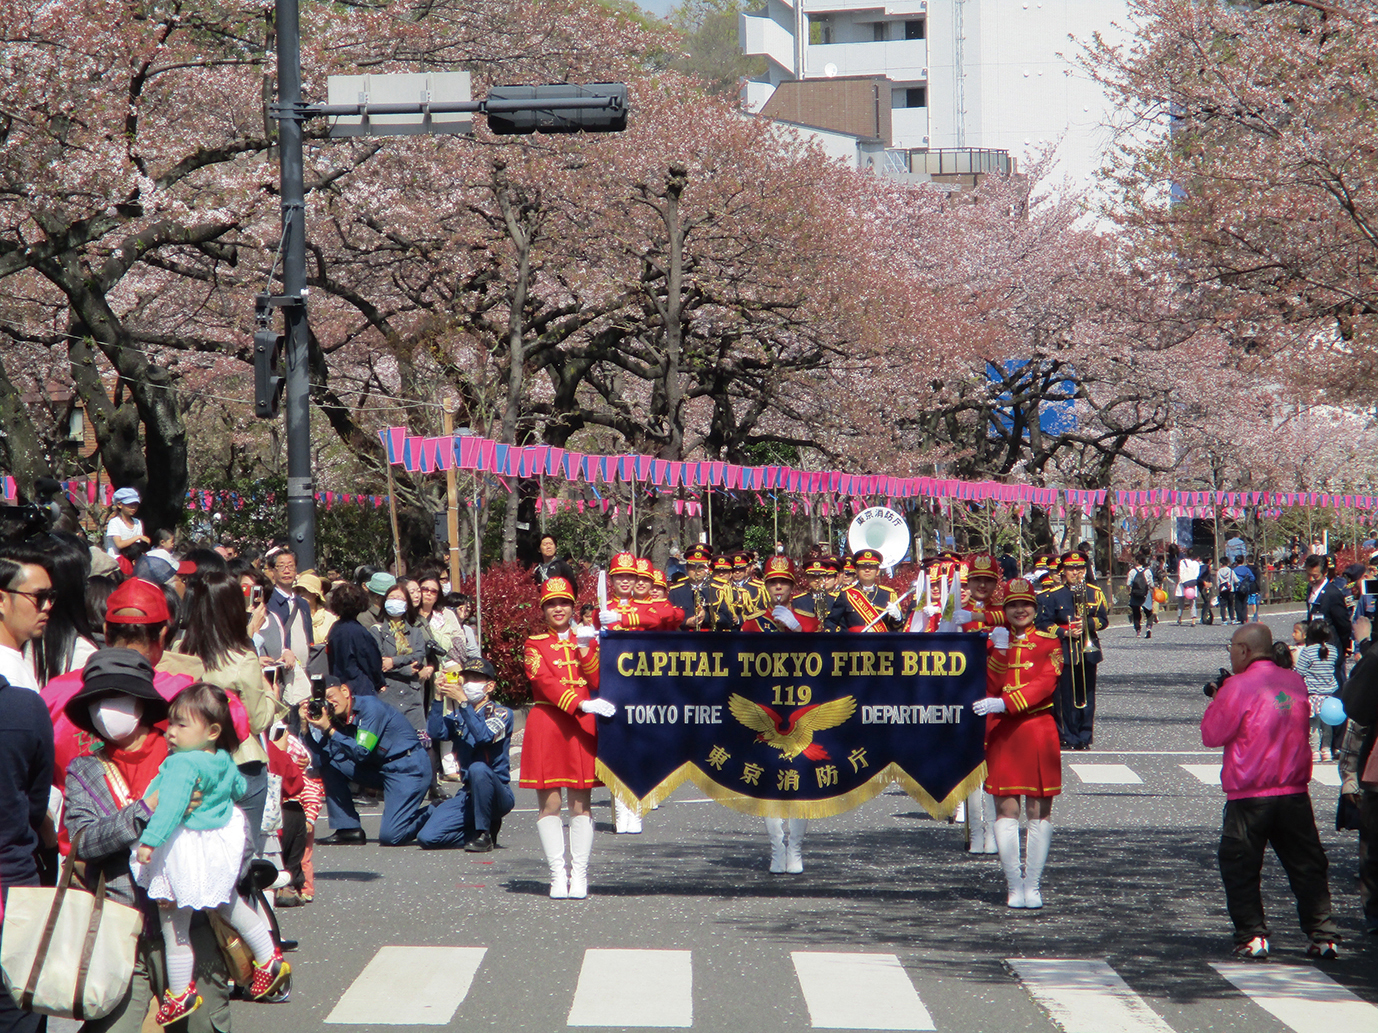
column 794, row 845
column 625, row 819
column 987, row 823
column 1040, row 837
column 580, row 846
column 552, row 832
column 1007, row 842
column 775, row 829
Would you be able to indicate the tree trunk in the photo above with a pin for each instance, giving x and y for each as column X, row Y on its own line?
column 20, row 451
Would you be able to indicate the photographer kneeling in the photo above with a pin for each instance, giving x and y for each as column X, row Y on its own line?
column 1260, row 715
column 369, row 742
column 480, row 731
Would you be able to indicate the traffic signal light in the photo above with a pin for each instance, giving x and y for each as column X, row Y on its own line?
column 268, row 383
column 528, row 115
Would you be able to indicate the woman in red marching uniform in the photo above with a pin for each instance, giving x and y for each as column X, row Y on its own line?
column 978, row 599
column 1023, row 757
column 561, row 737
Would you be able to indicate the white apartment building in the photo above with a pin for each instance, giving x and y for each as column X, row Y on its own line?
column 984, row 75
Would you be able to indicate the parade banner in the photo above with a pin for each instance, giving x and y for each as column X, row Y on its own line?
column 792, row 726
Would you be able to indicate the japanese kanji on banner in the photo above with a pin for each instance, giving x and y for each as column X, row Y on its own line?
column 797, row 726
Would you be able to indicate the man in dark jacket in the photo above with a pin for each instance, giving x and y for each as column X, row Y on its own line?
column 1326, row 599
column 552, row 566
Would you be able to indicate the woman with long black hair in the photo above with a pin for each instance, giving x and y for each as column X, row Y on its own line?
column 67, row 641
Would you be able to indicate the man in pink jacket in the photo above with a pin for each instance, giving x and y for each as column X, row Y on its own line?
column 1260, row 716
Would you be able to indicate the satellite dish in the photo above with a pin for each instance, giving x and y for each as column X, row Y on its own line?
column 881, row 529
column 830, row 69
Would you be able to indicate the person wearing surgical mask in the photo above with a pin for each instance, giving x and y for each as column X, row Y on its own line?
column 480, row 731
column 402, row 642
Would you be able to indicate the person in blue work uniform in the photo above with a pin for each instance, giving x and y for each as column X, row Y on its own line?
column 367, row 741
column 480, row 731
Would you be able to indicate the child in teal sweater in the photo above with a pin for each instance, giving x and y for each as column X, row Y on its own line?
column 190, row 861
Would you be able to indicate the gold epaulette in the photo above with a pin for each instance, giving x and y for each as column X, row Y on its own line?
column 1045, row 634
column 753, row 616
column 538, row 636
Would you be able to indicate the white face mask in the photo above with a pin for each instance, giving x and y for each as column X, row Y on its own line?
column 444, row 588
column 395, row 607
column 116, row 717
column 475, row 690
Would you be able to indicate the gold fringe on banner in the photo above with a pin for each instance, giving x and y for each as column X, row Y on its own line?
column 840, row 804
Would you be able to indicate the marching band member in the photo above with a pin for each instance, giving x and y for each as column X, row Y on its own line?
column 660, row 593
column 786, row 834
column 749, row 595
column 983, row 576
column 722, row 580
column 698, row 595
column 561, row 736
column 622, row 612
column 867, row 600
column 846, row 575
column 814, row 600
column 1022, row 753
column 656, row 612
column 1080, row 612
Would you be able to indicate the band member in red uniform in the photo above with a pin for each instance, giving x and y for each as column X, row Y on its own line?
column 1023, row 756
column 655, row 611
column 660, row 594
column 561, row 737
column 786, row 834
column 622, row 612
column 983, row 577
column 867, row 600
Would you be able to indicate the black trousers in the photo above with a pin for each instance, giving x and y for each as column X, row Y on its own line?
column 1368, row 856
column 1289, row 825
column 1137, row 612
column 293, row 837
column 1075, row 686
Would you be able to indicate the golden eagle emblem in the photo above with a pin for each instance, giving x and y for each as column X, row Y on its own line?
column 792, row 735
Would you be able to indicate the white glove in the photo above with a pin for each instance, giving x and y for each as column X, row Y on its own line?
column 990, row 705
column 1000, row 638
column 932, row 611
column 783, row 616
column 609, row 617
column 601, row 707
column 893, row 611
column 585, row 633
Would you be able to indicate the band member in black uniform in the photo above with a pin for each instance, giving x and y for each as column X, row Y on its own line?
column 815, row 600
column 1080, row 613
column 700, row 596
column 860, row 605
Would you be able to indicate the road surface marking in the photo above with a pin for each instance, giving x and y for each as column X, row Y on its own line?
column 1326, row 775
column 1206, row 773
column 409, row 986
column 859, row 991
column 1106, row 774
column 1086, row 996
column 1301, row 998
column 634, row 988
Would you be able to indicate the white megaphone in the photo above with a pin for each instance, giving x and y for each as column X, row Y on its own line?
column 881, row 529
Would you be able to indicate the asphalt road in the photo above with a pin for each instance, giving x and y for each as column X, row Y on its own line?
column 891, row 926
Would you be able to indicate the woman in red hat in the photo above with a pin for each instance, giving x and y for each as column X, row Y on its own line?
column 1023, row 755
column 561, row 738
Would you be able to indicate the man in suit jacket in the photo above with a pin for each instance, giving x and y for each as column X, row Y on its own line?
column 1326, row 600
column 294, row 614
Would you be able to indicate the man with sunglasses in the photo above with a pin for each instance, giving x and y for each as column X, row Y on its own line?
column 26, row 599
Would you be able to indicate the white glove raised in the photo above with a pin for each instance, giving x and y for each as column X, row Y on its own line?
column 601, row 707
column 585, row 633
column 991, row 705
column 783, row 615
column 893, row 611
column 609, row 617
column 1000, row 638
column 932, row 611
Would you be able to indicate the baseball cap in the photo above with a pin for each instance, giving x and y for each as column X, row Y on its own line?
column 479, row 666
column 136, row 601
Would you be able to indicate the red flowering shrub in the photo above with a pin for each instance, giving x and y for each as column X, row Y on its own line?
column 511, row 612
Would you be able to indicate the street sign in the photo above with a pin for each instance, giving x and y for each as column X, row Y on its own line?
column 410, row 89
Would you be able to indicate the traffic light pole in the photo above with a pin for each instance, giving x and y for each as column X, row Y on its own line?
column 301, row 501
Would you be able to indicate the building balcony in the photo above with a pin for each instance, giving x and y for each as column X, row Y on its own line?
column 891, row 9
column 764, row 37
column 899, row 60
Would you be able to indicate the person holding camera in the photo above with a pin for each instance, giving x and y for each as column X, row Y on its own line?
column 369, row 742
column 480, row 731
column 1260, row 715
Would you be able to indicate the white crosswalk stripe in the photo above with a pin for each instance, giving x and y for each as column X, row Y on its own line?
column 1301, row 998
column 859, row 991
column 1086, row 996
column 409, row 986
column 1209, row 774
column 1326, row 774
column 646, row 988
column 1106, row 774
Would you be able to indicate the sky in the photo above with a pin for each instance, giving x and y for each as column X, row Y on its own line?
column 656, row 7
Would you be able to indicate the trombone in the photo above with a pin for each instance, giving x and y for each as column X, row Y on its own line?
column 1076, row 648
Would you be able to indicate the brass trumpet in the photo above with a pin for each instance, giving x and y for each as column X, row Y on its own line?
column 1077, row 648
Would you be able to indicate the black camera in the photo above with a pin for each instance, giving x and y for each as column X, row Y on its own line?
column 1211, row 687
column 317, row 706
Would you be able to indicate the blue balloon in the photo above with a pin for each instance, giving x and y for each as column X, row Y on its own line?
column 1332, row 711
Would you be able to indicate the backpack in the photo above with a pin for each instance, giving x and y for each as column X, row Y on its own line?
column 1247, row 585
column 1138, row 588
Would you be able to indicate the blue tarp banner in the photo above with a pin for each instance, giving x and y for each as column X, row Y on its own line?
column 800, row 726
